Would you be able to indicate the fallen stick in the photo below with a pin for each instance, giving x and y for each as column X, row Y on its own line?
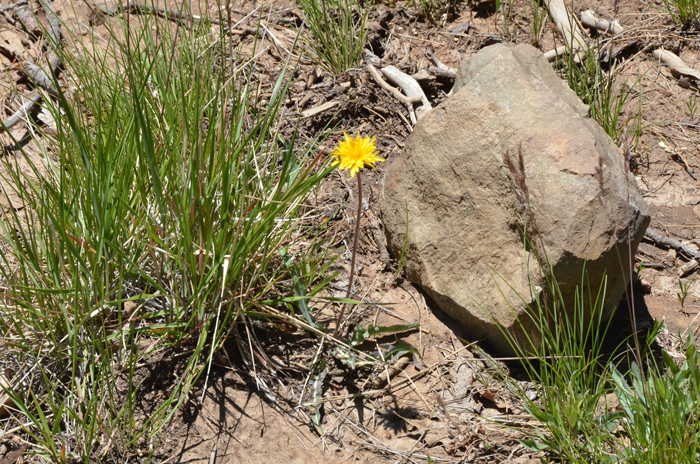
column 410, row 87
column 39, row 76
column 54, row 29
column 437, row 72
column 589, row 19
column 408, row 101
column 389, row 373
column 566, row 24
column 14, row 5
column 442, row 68
column 553, row 54
column 169, row 13
column 318, row 109
column 36, row 73
column 676, row 65
column 668, row 242
column 567, row 27
column 26, row 16
column 397, row 93
column 33, row 100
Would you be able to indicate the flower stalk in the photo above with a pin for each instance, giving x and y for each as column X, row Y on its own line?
column 353, row 154
column 354, row 254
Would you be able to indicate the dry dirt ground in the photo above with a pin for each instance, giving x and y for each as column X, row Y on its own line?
column 449, row 408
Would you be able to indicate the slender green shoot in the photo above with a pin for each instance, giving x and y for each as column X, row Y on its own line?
column 682, row 11
column 509, row 27
column 683, row 293
column 337, row 32
column 537, row 23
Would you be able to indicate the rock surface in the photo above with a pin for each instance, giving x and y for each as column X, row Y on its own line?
column 466, row 207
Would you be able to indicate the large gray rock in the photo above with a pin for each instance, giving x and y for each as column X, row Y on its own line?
column 466, row 207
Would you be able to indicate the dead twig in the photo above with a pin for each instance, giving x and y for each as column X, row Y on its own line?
column 396, row 92
column 408, row 101
column 589, row 19
column 409, row 86
column 168, row 13
column 566, row 25
column 553, row 54
column 571, row 34
column 26, row 16
column 676, row 65
column 39, row 76
column 36, row 73
column 14, row 5
column 668, row 242
column 212, row 457
column 443, row 68
column 33, row 100
column 389, row 373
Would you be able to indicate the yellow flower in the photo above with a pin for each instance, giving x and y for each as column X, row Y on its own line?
column 354, row 153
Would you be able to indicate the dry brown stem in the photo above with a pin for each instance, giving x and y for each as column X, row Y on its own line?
column 589, row 19
column 408, row 101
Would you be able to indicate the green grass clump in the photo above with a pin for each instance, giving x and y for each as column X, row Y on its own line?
column 596, row 87
column 509, row 26
column 432, row 10
column 682, row 11
column 153, row 230
column 537, row 23
column 338, row 32
column 660, row 410
column 564, row 358
column 575, row 380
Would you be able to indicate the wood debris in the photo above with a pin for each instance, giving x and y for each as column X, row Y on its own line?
column 319, row 109
column 408, row 101
column 676, row 65
column 442, row 68
column 668, row 242
column 589, row 19
column 410, row 88
column 566, row 25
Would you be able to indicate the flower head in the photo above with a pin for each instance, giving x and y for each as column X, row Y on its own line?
column 354, row 153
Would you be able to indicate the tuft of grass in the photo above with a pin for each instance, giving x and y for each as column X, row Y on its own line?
column 682, row 11
column 433, row 10
column 153, row 231
column 660, row 410
column 505, row 9
column 684, row 288
column 596, row 87
column 574, row 378
column 538, row 22
column 338, row 32
column 564, row 357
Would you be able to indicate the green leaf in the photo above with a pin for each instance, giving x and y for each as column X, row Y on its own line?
column 361, row 334
column 670, row 363
column 318, row 377
column 533, row 445
column 298, row 287
column 392, row 352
